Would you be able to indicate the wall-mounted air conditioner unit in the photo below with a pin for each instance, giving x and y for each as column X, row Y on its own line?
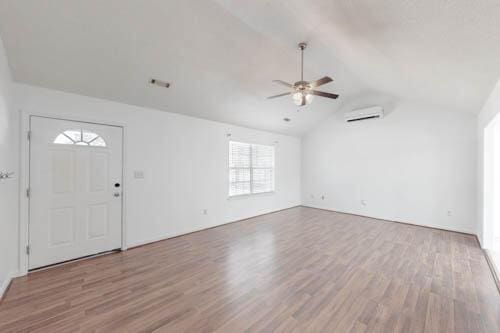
column 371, row 112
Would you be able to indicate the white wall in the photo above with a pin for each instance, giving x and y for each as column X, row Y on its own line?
column 496, row 185
column 413, row 166
column 8, row 188
column 485, row 175
column 184, row 161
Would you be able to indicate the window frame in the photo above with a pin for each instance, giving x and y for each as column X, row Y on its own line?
column 251, row 168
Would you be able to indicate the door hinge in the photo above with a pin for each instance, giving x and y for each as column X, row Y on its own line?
column 28, row 192
column 29, row 135
column 28, row 249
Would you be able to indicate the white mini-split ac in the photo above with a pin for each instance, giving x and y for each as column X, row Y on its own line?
column 372, row 112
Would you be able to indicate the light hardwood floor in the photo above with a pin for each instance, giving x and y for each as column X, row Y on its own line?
column 298, row 270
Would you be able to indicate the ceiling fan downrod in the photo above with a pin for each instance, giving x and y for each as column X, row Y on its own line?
column 302, row 47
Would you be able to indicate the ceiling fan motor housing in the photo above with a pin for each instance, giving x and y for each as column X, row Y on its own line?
column 301, row 85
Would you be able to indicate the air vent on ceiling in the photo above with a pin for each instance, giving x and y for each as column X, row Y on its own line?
column 372, row 112
column 159, row 83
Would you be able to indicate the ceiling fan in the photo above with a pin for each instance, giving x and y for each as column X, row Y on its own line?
column 303, row 91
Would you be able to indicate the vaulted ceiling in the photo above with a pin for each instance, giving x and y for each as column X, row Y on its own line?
column 221, row 55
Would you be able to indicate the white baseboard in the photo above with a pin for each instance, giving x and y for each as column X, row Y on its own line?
column 493, row 258
column 5, row 284
column 171, row 235
column 167, row 236
column 434, row 226
column 133, row 244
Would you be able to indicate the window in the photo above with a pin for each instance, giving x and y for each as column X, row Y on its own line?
column 80, row 138
column 251, row 168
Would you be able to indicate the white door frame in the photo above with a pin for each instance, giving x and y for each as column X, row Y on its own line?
column 24, row 178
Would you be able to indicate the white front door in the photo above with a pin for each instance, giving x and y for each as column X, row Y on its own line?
column 75, row 190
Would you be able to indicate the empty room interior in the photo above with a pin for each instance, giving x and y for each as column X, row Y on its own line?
column 250, row 166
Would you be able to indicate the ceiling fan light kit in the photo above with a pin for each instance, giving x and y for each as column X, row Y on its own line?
column 302, row 98
column 303, row 92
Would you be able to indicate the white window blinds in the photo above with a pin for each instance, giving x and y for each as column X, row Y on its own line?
column 251, row 168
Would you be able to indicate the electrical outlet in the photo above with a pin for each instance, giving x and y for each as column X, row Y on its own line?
column 449, row 213
column 138, row 174
column 322, row 197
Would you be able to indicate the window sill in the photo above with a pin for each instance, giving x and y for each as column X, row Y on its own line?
column 250, row 195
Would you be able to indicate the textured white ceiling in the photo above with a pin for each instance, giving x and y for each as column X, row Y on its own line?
column 221, row 55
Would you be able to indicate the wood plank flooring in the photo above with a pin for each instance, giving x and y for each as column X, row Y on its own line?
column 298, row 270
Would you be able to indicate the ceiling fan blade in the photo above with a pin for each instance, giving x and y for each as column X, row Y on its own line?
column 320, row 82
column 324, row 94
column 283, row 94
column 286, row 84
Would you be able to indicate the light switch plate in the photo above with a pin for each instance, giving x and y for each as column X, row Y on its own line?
column 138, row 174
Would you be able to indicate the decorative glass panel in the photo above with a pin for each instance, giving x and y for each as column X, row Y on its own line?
column 80, row 138
column 63, row 140
column 75, row 136
column 89, row 136
column 98, row 142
